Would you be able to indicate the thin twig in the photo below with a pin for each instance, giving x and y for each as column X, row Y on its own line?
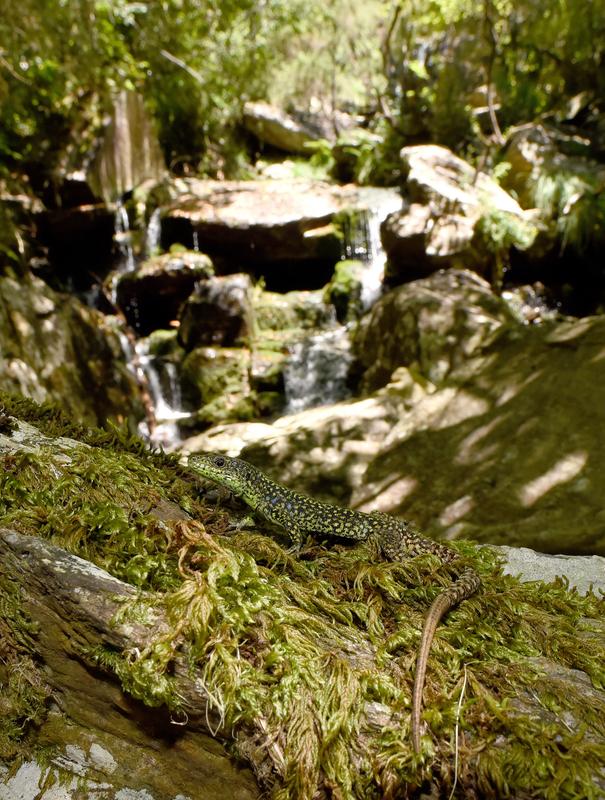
column 456, row 731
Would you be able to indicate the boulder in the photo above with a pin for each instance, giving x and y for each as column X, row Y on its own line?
column 345, row 290
column 431, row 326
column 439, row 225
column 216, row 382
column 499, row 438
column 52, row 347
column 152, row 295
column 281, row 230
column 219, row 313
column 274, row 127
column 143, row 628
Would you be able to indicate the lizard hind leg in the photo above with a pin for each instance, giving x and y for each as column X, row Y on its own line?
column 466, row 585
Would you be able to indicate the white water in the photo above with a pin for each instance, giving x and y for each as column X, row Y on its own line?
column 162, row 381
column 123, row 238
column 153, row 234
column 317, row 368
column 365, row 243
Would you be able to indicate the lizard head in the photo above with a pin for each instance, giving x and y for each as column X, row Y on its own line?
column 230, row 472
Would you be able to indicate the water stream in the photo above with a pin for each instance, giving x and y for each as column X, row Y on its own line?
column 317, row 369
column 162, row 383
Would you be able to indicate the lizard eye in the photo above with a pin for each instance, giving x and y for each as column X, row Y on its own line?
column 219, row 461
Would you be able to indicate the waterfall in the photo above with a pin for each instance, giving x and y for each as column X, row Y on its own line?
column 160, row 390
column 153, row 234
column 165, row 392
column 123, row 238
column 363, row 239
column 317, row 370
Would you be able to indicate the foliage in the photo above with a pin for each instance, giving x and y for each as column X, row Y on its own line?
column 444, row 58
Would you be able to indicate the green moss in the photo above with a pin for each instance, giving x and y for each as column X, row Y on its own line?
column 301, row 648
column 24, row 693
column 344, row 290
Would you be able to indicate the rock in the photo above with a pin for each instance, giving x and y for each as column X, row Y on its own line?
column 504, row 444
column 264, row 227
column 141, row 673
column 219, row 312
column 152, row 295
column 345, row 290
column 431, row 326
column 291, row 313
column 80, row 242
column 276, row 128
column 52, row 347
column 216, row 381
column 584, row 573
column 129, row 153
column 437, row 228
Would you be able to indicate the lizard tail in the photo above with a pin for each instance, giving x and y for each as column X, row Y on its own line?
column 466, row 585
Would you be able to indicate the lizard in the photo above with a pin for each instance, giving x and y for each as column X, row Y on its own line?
column 300, row 515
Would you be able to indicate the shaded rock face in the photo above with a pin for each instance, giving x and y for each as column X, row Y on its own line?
column 446, row 198
column 552, row 170
column 54, row 348
column 278, row 229
column 504, row 444
column 152, row 295
column 219, row 312
column 80, row 243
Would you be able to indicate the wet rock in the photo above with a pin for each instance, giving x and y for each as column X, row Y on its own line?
column 438, row 226
column 219, row 312
column 152, row 295
column 54, row 348
column 345, row 290
column 291, row 312
column 216, row 381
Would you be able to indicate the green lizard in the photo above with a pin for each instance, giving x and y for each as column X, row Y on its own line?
column 300, row 515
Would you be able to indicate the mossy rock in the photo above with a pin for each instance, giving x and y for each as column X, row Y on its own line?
column 229, row 634
column 344, row 290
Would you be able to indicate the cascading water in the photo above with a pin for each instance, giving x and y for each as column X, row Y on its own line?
column 317, row 369
column 153, row 233
column 123, row 238
column 364, row 241
column 162, row 381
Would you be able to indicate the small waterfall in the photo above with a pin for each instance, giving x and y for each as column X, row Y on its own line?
column 153, row 234
column 160, row 390
column 162, row 380
column 317, row 370
column 363, row 239
column 196, row 242
column 318, row 366
column 123, row 238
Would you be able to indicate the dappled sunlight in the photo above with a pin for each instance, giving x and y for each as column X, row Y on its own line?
column 513, row 389
column 391, row 496
column 565, row 470
column 469, row 451
column 457, row 510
